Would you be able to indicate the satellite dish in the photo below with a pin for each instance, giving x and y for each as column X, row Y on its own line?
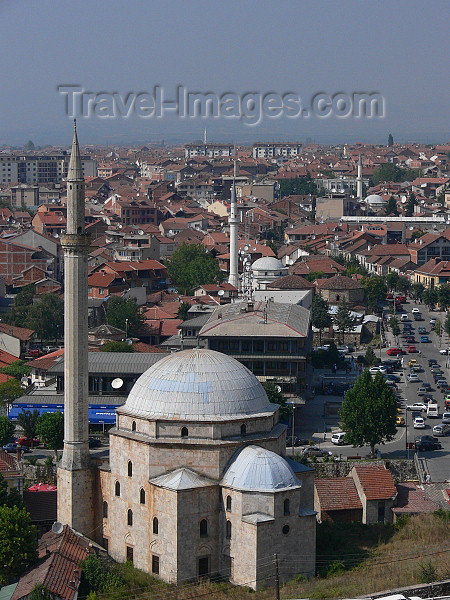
column 254, row 248
column 220, row 292
column 117, row 383
column 57, row 527
column 246, row 248
column 278, row 388
column 56, row 235
column 140, row 232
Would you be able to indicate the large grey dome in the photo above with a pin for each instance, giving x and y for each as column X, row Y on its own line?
column 258, row 469
column 197, row 385
column 268, row 263
column 375, row 199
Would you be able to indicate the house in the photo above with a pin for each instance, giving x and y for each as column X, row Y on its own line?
column 224, row 292
column 341, row 288
column 15, row 340
column 322, row 265
column 433, row 273
column 430, row 245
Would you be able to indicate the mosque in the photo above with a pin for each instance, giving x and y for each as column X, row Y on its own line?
column 197, row 482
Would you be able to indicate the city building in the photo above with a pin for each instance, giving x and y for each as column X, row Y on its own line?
column 209, row 150
column 275, row 150
column 41, row 168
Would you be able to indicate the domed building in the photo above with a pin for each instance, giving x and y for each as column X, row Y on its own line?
column 265, row 270
column 198, row 482
column 375, row 202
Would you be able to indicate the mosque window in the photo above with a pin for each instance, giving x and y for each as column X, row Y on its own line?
column 105, row 510
column 155, row 564
column 155, row 525
column 130, row 468
column 142, row 496
column 228, row 530
column 287, row 507
column 133, row 426
column 243, row 429
column 203, row 528
column 130, row 517
column 130, row 553
column 117, row 491
column 285, row 529
column 228, row 503
column 184, row 432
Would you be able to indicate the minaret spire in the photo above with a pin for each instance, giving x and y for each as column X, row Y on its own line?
column 233, row 222
column 359, row 180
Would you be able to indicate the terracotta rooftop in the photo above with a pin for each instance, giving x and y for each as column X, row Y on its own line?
column 412, row 499
column 337, row 493
column 18, row 332
column 338, row 282
column 376, row 481
column 291, row 282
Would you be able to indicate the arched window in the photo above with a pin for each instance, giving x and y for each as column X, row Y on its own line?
column 130, row 468
column 228, row 504
column 155, row 525
column 130, row 517
column 117, row 488
column 184, row 432
column 133, row 426
column 337, row 297
column 287, row 507
column 142, row 496
column 243, row 429
column 228, row 530
column 105, row 510
column 203, row 528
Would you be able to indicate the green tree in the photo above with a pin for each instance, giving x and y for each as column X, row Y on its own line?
column 124, row 314
column 320, row 317
column 417, row 289
column 272, row 246
column 392, row 280
column 183, row 310
column 46, row 317
column 10, row 390
column 437, row 327
column 276, row 397
column 430, row 297
column 40, row 592
column 297, row 185
column 9, row 496
column 6, row 430
column 390, row 140
column 387, row 172
column 113, row 346
column 369, row 412
column 447, row 324
column 412, row 202
column 444, row 296
column 190, row 266
column 314, row 275
column 391, row 207
column 344, row 319
column 370, row 358
column 416, row 234
column 50, row 429
column 28, row 420
column 17, row 369
column 28, row 146
column 375, row 289
column 18, row 543
column 21, row 305
column 395, row 327
column 403, row 284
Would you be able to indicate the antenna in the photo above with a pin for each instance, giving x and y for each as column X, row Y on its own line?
column 117, row 383
column 57, row 527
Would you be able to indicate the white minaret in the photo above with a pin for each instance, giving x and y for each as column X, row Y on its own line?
column 359, row 180
column 233, row 222
column 204, row 137
column 75, row 475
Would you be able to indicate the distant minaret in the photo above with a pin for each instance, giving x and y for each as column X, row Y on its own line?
column 233, row 222
column 75, row 476
column 204, row 137
column 359, row 180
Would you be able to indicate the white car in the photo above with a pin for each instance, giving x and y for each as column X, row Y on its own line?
column 413, row 377
column 419, row 423
column 415, row 310
column 446, row 417
column 442, row 429
column 444, row 351
column 375, row 370
column 432, row 321
column 418, row 406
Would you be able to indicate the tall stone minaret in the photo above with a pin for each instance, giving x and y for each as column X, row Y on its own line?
column 233, row 222
column 75, row 475
column 359, row 180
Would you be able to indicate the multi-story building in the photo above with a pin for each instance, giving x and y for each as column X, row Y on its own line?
column 51, row 168
column 276, row 149
column 209, row 150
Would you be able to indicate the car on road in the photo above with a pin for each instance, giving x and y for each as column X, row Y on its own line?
column 394, row 378
column 444, row 351
column 315, row 451
column 415, row 310
column 424, row 339
column 13, row 447
column 412, row 349
column 412, row 362
column 419, row 423
column 413, row 378
column 395, row 351
column 432, row 361
column 415, row 369
column 422, row 330
column 441, row 429
column 338, row 438
column 24, row 441
column 419, row 406
column 400, row 421
column 432, row 322
column 440, row 383
column 427, row 442
column 410, row 340
column 446, row 417
column 418, row 317
column 380, row 369
column 94, row 443
column 422, row 391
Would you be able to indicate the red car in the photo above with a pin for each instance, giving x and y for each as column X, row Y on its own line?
column 412, row 349
column 395, row 351
column 401, row 299
column 24, row 441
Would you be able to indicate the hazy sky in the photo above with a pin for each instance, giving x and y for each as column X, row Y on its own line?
column 398, row 49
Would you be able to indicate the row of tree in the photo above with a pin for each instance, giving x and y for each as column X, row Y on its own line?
column 49, row 427
column 343, row 319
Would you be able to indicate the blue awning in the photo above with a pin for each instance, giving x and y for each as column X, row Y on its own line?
column 51, row 408
column 102, row 415
column 97, row 414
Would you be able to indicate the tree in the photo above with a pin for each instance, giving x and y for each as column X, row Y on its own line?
column 391, row 207
column 50, row 429
column 28, row 146
column 320, row 317
column 314, row 275
column 21, row 305
column 447, row 324
column 375, row 289
column 344, row 319
column 183, row 310
column 430, row 297
column 272, row 246
column 412, row 202
column 370, row 357
column 124, row 314
column 416, row 234
column 417, row 289
column 190, row 266
column 9, row 496
column 17, row 369
column 390, row 140
column 10, row 390
column 28, row 420
column 297, row 185
column 40, row 592
column 444, row 296
column 395, row 327
column 46, row 317
column 369, row 412
column 113, row 346
column 392, row 280
column 437, row 327
column 6, row 430
column 403, row 285
column 276, row 397
column 18, row 543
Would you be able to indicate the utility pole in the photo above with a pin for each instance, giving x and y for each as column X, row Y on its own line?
column 277, row 579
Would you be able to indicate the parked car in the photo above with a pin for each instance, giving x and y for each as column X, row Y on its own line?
column 432, row 361
column 13, row 447
column 446, row 417
column 418, row 317
column 444, row 351
column 94, row 443
column 441, row 429
column 419, row 423
column 403, row 317
column 400, row 421
column 425, row 339
column 427, row 442
column 415, row 310
column 419, row 406
column 422, row 330
column 395, row 351
column 412, row 349
column 426, row 385
column 416, row 369
column 24, row 441
column 315, row 451
column 34, row 352
column 380, row 369
column 441, row 383
column 338, row 438
column 394, row 378
column 410, row 340
column 422, row 391
column 412, row 362
column 432, row 322
column 413, row 378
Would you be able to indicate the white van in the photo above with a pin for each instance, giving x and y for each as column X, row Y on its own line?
column 432, row 410
column 403, row 317
column 338, row 438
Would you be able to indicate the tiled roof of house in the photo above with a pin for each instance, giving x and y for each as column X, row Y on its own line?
column 376, row 481
column 6, row 358
column 20, row 333
column 337, row 493
column 291, row 282
column 412, row 499
column 435, row 266
column 338, row 282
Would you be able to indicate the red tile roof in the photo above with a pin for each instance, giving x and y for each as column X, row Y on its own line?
column 337, row 493
column 18, row 332
column 412, row 499
column 6, row 358
column 376, row 481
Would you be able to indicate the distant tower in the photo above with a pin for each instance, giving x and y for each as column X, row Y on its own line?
column 359, row 180
column 204, row 137
column 75, row 475
column 233, row 222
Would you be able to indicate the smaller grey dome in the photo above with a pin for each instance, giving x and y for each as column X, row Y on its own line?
column 268, row 263
column 258, row 469
column 375, row 199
